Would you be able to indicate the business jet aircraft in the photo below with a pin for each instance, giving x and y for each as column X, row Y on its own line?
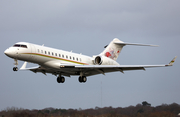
column 63, row 63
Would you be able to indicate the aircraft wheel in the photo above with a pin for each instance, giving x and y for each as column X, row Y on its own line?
column 15, row 68
column 84, row 79
column 58, row 80
column 80, row 79
column 62, row 79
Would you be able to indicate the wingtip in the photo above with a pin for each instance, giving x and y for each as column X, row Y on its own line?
column 23, row 66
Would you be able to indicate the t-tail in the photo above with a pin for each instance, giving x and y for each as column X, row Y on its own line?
column 113, row 50
column 115, row 46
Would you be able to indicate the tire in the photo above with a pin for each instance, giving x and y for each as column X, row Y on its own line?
column 84, row 79
column 58, row 80
column 80, row 79
column 15, row 68
column 62, row 79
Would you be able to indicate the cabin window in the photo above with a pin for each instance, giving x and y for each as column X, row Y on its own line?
column 59, row 55
column 55, row 54
column 38, row 50
column 45, row 52
column 52, row 53
column 63, row 56
column 73, row 58
column 70, row 57
column 49, row 53
column 66, row 56
column 77, row 59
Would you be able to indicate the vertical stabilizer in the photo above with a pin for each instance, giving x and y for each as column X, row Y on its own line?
column 113, row 50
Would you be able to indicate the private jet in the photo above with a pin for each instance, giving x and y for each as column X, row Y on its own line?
column 63, row 63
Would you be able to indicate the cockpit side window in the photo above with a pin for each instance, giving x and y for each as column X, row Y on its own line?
column 24, row 46
column 19, row 45
column 16, row 45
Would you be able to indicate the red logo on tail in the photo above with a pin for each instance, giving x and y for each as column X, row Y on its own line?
column 108, row 54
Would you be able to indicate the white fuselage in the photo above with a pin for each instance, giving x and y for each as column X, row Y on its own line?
column 49, row 57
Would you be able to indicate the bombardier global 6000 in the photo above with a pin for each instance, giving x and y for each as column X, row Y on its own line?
column 63, row 63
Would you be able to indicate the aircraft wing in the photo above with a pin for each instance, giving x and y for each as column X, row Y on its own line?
column 44, row 70
column 97, row 69
column 89, row 70
column 33, row 69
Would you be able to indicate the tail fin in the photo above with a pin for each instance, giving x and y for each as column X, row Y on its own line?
column 113, row 50
column 115, row 46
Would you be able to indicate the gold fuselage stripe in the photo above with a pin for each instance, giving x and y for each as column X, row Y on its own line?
column 56, row 58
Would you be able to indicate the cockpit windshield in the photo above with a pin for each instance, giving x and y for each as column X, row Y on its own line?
column 20, row 45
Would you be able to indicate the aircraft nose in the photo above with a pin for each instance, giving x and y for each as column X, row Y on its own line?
column 8, row 52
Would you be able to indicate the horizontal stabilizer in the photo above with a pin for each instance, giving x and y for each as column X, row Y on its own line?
column 122, row 43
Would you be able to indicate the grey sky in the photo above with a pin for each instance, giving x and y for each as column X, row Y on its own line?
column 86, row 27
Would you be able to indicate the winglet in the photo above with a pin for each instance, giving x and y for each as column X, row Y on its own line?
column 23, row 66
column 171, row 63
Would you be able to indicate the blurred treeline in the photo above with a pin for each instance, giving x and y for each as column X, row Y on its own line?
column 140, row 110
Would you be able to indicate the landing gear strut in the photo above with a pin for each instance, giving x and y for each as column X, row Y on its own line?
column 16, row 63
column 82, row 79
column 60, row 79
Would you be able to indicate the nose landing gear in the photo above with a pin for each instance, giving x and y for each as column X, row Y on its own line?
column 16, row 63
column 15, row 68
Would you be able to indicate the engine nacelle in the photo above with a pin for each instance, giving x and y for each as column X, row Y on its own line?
column 98, row 60
column 102, row 60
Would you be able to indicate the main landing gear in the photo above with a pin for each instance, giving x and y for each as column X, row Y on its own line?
column 60, row 79
column 16, row 63
column 82, row 79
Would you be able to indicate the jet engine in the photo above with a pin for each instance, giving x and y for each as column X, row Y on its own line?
column 98, row 60
column 103, row 60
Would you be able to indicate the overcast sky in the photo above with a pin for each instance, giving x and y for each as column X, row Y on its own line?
column 86, row 27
